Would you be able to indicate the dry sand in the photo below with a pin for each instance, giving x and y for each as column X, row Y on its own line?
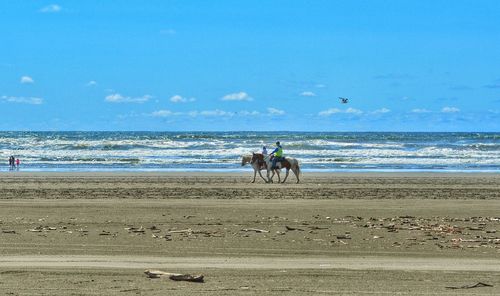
column 349, row 234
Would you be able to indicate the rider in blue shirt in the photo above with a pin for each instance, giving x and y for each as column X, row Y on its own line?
column 278, row 155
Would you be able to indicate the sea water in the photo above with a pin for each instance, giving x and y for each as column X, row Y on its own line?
column 222, row 151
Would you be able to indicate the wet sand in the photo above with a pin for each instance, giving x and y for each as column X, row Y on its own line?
column 94, row 234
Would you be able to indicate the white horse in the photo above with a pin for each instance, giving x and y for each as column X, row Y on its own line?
column 289, row 163
column 257, row 167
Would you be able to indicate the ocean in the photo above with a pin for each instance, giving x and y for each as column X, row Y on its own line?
column 222, row 151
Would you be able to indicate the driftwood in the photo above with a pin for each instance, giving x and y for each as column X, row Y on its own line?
column 289, row 228
column 255, row 229
column 153, row 274
column 477, row 285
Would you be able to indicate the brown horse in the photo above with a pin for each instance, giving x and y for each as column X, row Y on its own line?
column 257, row 166
column 288, row 163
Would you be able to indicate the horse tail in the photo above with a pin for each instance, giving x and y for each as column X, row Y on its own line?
column 296, row 164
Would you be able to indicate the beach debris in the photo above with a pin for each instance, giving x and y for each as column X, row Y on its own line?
column 153, row 274
column 42, row 228
column 255, row 230
column 317, row 227
column 188, row 231
column 344, row 236
column 477, row 285
column 135, row 229
column 289, row 228
column 8, row 231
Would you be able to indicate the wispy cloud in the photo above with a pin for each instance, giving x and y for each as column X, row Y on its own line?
column 239, row 96
column 181, row 99
column 329, row 112
column 26, row 80
column 52, row 8
column 216, row 113
column 320, row 85
column 163, row 113
column 332, row 111
column 92, row 83
column 450, row 110
column 308, row 94
column 353, row 111
column 381, row 111
column 118, row 98
column 274, row 111
column 420, row 110
column 22, row 100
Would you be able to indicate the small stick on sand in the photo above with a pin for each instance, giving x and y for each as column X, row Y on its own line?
column 153, row 274
column 479, row 284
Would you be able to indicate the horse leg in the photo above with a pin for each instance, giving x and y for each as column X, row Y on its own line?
column 260, row 174
column 296, row 173
column 269, row 178
column 286, row 176
column 278, row 173
column 254, row 175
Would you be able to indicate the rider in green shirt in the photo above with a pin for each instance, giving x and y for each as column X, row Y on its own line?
column 278, row 155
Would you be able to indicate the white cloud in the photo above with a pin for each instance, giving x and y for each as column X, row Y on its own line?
column 27, row 79
column 418, row 110
column 51, row 8
column 450, row 110
column 22, row 100
column 216, row 112
column 382, row 110
column 274, row 111
column 162, row 113
column 118, row 98
column 92, row 83
column 181, row 99
column 332, row 111
column 240, row 96
column 353, row 111
column 320, row 85
column 307, row 94
column 249, row 113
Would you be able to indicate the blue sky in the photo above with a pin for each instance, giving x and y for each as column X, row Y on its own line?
column 250, row 65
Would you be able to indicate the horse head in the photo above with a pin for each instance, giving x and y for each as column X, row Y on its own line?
column 256, row 157
column 245, row 159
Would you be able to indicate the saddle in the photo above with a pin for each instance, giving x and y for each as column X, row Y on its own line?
column 282, row 161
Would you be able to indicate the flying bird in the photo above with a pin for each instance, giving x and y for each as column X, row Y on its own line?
column 343, row 100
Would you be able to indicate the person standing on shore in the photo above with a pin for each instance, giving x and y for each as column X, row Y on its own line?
column 11, row 162
column 18, row 162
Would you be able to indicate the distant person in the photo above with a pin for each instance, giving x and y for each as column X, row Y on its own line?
column 11, row 162
column 18, row 162
column 278, row 155
column 264, row 151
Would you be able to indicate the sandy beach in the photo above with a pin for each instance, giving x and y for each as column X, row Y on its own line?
column 334, row 233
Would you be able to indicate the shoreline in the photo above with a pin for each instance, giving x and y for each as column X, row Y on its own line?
column 240, row 173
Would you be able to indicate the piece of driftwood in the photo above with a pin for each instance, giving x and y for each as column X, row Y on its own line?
column 153, row 274
column 255, row 229
column 477, row 285
column 289, row 228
